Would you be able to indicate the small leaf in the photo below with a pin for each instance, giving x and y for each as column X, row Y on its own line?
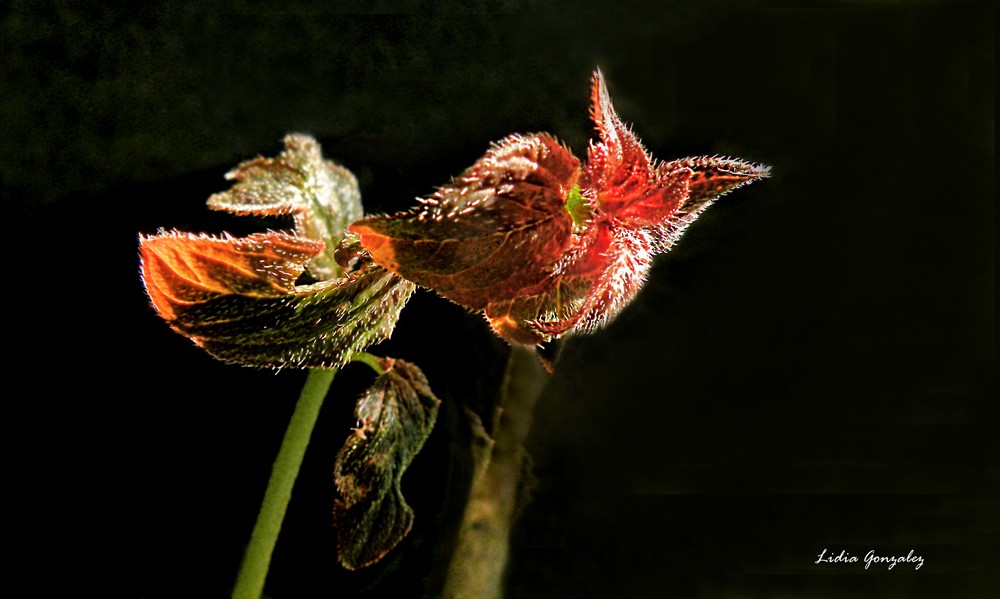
column 710, row 178
column 618, row 169
column 626, row 256
column 395, row 417
column 238, row 300
column 322, row 196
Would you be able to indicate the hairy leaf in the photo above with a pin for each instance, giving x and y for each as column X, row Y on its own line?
column 238, row 300
column 545, row 246
column 494, row 232
column 322, row 196
column 395, row 417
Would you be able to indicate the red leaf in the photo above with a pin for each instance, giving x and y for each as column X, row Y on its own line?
column 238, row 300
column 711, row 177
column 619, row 170
column 491, row 234
column 181, row 270
column 543, row 246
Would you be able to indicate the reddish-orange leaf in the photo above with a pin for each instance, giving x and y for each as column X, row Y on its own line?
column 238, row 300
column 542, row 245
column 495, row 231
column 181, row 269
column 619, row 170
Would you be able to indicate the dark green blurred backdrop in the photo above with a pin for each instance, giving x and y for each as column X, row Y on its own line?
column 813, row 367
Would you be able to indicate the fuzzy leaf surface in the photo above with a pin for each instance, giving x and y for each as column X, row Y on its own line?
column 493, row 233
column 322, row 196
column 237, row 299
column 395, row 416
column 543, row 245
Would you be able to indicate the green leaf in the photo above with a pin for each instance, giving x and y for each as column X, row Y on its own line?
column 322, row 196
column 395, row 417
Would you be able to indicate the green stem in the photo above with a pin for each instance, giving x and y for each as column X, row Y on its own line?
column 370, row 360
column 257, row 559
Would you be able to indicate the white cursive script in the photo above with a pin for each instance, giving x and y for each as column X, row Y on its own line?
column 841, row 558
column 870, row 558
column 873, row 558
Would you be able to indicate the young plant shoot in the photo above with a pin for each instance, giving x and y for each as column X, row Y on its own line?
column 540, row 242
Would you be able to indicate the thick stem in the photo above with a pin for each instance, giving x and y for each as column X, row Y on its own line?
column 257, row 559
column 480, row 557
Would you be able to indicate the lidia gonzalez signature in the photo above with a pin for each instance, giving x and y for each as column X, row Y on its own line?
column 891, row 561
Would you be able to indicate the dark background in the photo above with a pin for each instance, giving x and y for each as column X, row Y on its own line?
column 813, row 367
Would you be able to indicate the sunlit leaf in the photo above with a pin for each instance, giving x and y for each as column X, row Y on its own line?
column 395, row 417
column 238, row 300
column 545, row 246
column 492, row 233
column 322, row 196
column 619, row 172
column 711, row 177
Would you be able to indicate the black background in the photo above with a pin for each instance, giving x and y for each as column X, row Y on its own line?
column 812, row 367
